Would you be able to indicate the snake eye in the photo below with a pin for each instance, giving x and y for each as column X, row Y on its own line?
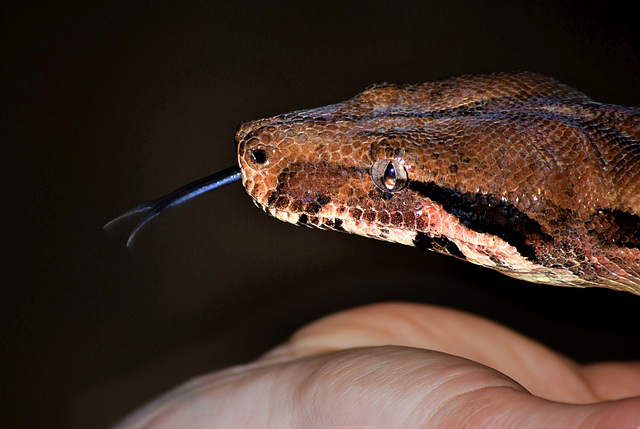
column 389, row 175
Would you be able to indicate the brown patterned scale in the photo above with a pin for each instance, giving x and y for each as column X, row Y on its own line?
column 512, row 171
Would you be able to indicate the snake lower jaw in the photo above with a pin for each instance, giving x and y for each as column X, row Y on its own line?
column 480, row 249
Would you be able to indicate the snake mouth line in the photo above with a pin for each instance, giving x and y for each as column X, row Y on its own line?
column 302, row 219
column 345, row 224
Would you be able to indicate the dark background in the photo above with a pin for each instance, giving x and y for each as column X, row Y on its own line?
column 108, row 105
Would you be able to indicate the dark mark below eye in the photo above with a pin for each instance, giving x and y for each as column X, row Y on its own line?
column 312, row 207
column 272, row 198
column 323, row 200
column 302, row 220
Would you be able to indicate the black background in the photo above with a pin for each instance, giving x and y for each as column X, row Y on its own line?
column 108, row 105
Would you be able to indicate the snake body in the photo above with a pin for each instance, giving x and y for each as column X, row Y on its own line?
column 512, row 171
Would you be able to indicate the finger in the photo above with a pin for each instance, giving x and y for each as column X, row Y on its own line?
column 542, row 371
column 613, row 380
column 370, row 387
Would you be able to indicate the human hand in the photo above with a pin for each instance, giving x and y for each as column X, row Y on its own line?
column 403, row 365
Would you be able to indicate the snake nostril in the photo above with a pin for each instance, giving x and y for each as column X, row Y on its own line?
column 259, row 156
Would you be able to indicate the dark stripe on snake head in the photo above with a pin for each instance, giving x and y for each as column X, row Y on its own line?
column 486, row 213
column 336, row 225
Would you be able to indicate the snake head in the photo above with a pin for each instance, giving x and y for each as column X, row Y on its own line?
column 514, row 172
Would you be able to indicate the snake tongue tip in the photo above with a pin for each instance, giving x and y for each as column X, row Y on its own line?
column 130, row 241
column 153, row 213
column 178, row 197
column 125, row 215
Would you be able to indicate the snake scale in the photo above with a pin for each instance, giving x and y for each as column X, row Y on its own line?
column 512, row 171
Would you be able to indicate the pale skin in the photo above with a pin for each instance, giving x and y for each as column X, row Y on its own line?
column 400, row 365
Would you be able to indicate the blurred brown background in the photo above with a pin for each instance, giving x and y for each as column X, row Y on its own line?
column 108, row 105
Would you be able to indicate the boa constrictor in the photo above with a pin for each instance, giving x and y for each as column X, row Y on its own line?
column 512, row 171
